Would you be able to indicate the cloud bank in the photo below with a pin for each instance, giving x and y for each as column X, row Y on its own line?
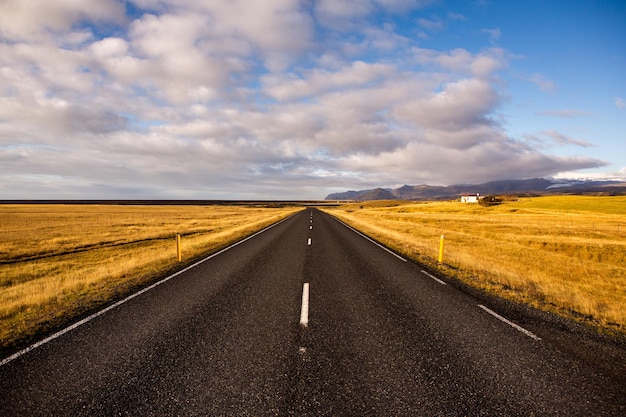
column 240, row 99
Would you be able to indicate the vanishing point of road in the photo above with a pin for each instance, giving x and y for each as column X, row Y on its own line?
column 310, row 318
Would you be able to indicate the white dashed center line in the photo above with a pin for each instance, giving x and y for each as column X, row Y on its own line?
column 304, row 311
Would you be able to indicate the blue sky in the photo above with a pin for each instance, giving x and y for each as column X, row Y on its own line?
column 280, row 99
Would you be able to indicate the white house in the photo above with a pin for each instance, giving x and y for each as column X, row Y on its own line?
column 468, row 198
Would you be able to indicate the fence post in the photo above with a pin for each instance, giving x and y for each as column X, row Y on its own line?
column 441, row 249
column 178, row 250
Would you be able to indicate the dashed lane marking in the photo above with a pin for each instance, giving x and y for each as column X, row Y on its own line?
column 433, row 277
column 510, row 323
column 304, row 310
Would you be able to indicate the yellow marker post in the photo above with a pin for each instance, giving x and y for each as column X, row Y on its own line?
column 178, row 251
column 441, row 249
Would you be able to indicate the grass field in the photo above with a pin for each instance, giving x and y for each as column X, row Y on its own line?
column 563, row 254
column 59, row 261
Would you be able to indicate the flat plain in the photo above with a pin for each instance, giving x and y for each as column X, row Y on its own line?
column 383, row 339
column 60, row 261
column 564, row 254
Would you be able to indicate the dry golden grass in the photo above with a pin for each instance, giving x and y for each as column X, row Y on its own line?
column 563, row 254
column 58, row 261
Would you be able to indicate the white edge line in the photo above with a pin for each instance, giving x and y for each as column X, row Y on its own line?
column 433, row 277
column 371, row 240
column 510, row 323
column 130, row 297
column 304, row 311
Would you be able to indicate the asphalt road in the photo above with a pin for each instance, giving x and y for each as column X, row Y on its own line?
column 380, row 337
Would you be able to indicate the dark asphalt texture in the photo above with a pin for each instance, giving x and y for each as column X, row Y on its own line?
column 383, row 339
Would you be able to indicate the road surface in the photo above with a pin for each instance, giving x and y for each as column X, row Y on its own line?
column 310, row 318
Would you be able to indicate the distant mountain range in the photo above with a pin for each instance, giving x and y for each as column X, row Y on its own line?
column 534, row 186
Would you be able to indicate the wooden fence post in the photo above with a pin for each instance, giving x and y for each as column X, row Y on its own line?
column 178, row 249
column 441, row 249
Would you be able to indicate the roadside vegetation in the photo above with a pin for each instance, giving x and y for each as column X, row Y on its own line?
column 60, row 261
column 563, row 254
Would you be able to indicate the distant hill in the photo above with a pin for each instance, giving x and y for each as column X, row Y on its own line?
column 536, row 186
column 377, row 194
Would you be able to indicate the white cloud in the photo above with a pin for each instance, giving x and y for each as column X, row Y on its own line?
column 620, row 103
column 462, row 106
column 483, row 64
column 24, row 20
column 384, row 39
column 547, row 138
column 430, row 24
column 319, row 81
column 331, row 11
column 235, row 98
column 109, row 48
column 494, row 34
column 281, row 29
column 618, row 175
column 428, row 163
column 566, row 113
column 343, row 14
column 562, row 139
column 456, row 16
column 278, row 31
column 455, row 60
column 487, row 63
column 541, row 81
column 404, row 5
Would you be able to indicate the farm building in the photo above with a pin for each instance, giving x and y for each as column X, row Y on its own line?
column 469, row 198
